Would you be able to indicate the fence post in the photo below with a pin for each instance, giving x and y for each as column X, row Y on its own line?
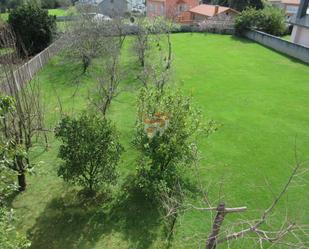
column 212, row 239
column 41, row 59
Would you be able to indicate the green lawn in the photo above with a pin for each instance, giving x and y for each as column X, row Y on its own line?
column 4, row 16
column 259, row 97
column 55, row 12
column 286, row 37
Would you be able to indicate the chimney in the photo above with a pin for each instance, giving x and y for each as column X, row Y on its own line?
column 216, row 9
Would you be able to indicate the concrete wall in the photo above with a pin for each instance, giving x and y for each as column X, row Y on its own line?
column 294, row 50
column 300, row 35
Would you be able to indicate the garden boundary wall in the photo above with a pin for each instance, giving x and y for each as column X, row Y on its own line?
column 286, row 47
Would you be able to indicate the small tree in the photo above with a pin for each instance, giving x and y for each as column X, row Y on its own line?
column 241, row 5
column 165, row 137
column 110, row 76
column 155, row 51
column 9, row 238
column 33, row 27
column 141, row 40
column 270, row 20
column 90, row 151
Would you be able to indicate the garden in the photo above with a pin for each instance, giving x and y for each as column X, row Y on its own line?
column 256, row 96
column 134, row 137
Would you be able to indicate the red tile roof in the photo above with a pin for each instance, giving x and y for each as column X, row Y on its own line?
column 210, row 10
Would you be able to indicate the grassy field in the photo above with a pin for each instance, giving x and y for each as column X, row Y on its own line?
column 259, row 97
column 4, row 16
column 55, row 12
column 286, row 37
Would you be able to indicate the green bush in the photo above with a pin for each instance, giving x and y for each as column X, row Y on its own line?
column 170, row 148
column 90, row 151
column 9, row 237
column 241, row 5
column 269, row 20
column 33, row 27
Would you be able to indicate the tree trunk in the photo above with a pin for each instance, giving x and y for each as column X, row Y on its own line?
column 22, row 181
column 212, row 239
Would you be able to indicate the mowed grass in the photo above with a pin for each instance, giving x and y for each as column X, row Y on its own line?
column 4, row 16
column 57, row 12
column 259, row 98
column 54, row 12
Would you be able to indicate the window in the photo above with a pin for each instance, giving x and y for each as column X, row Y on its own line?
column 291, row 9
column 160, row 9
column 182, row 7
column 151, row 8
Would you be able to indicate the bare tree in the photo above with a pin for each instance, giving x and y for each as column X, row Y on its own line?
column 296, row 234
column 107, row 87
column 157, row 67
column 84, row 40
column 26, row 119
column 141, row 40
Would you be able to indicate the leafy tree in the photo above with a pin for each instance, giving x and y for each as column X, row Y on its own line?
column 241, row 5
column 90, row 151
column 270, row 20
column 33, row 27
column 9, row 238
column 13, row 154
column 6, row 154
column 167, row 126
column 273, row 21
column 9, row 4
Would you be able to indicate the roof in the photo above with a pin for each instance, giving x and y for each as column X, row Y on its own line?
column 291, row 2
column 210, row 10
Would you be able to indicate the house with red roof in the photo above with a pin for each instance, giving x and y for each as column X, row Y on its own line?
column 177, row 10
column 205, row 12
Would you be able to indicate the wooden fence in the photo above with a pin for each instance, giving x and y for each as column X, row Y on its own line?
column 26, row 72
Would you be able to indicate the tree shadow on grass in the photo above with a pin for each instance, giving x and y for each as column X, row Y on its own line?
column 71, row 222
column 67, row 222
column 136, row 217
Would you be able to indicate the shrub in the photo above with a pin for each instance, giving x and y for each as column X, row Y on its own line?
column 33, row 27
column 270, row 20
column 9, row 237
column 167, row 126
column 273, row 21
column 90, row 151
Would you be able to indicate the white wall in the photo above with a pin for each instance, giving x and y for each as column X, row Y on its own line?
column 300, row 35
column 281, row 45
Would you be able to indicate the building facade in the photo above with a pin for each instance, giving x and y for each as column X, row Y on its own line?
column 300, row 33
column 113, row 8
column 177, row 10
